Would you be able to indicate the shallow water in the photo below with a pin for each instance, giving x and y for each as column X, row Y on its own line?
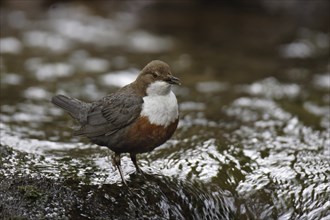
column 253, row 140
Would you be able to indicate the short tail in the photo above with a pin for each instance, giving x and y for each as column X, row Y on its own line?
column 73, row 106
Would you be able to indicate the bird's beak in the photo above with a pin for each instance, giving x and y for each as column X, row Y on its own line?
column 173, row 80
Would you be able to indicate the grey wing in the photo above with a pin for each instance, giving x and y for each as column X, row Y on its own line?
column 111, row 114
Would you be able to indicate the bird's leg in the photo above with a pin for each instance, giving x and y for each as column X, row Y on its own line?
column 133, row 158
column 116, row 161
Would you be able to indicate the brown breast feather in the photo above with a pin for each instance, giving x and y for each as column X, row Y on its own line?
column 145, row 136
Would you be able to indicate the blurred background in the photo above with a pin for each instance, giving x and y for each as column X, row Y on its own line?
column 253, row 139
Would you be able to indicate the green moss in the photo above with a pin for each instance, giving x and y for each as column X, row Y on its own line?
column 30, row 192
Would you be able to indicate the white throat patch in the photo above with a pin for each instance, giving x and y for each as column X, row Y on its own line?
column 158, row 88
column 160, row 104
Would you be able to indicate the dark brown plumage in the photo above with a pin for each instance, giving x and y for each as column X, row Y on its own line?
column 136, row 119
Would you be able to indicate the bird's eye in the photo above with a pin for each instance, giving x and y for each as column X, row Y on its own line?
column 155, row 74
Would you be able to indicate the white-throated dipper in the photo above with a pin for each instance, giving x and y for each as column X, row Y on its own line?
column 135, row 119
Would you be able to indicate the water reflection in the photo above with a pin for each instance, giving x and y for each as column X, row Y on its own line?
column 283, row 155
column 10, row 45
column 119, row 78
column 308, row 44
column 271, row 88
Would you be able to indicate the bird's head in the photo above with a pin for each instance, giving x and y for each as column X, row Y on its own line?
column 157, row 78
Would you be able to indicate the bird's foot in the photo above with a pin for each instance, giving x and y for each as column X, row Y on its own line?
column 116, row 162
column 138, row 170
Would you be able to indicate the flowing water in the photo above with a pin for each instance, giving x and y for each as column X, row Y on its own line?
column 253, row 140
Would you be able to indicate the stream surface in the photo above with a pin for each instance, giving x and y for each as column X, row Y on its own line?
column 253, row 141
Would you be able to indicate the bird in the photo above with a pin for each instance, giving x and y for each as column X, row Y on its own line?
column 135, row 119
